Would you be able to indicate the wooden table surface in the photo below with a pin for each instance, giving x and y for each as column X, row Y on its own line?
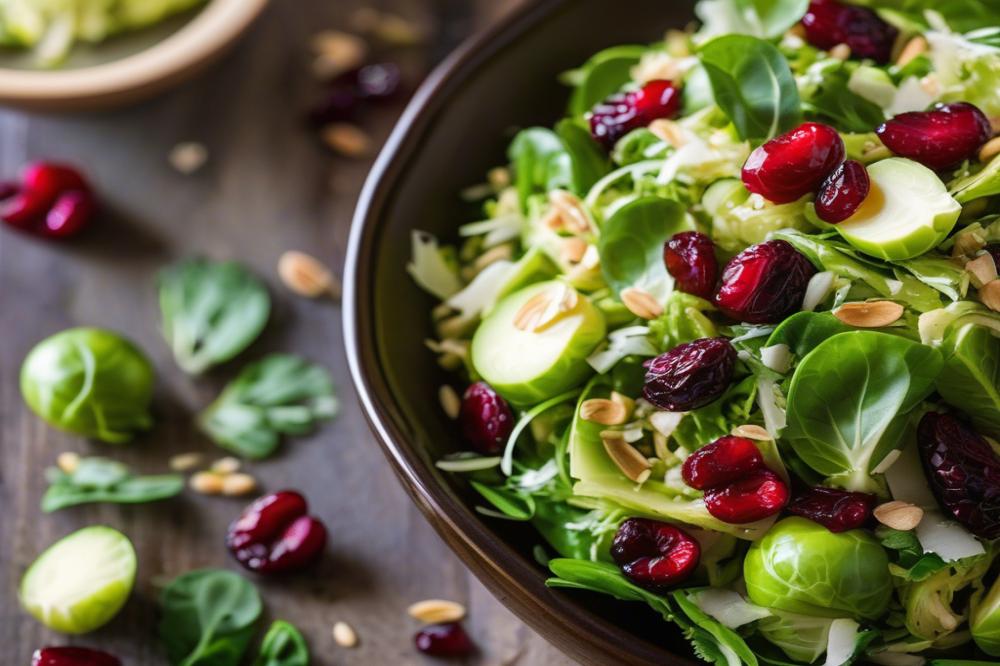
column 269, row 187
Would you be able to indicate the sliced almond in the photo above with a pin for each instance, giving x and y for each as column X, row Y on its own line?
column 990, row 149
column 572, row 249
column 641, row 303
column 237, row 485
column 347, row 139
column 967, row 244
column 982, row 270
column 605, row 412
column 574, row 215
column 990, row 295
column 493, row 255
column 206, row 483
column 337, row 52
column 626, row 457
column 913, row 48
column 395, row 30
column 625, row 401
column 436, row 611
column 307, row 276
column 344, row 635
column 68, row 461
column 185, row 462
column 450, row 402
column 899, row 515
column 188, row 157
column 840, row 52
column 227, row 465
column 545, row 308
column 553, row 220
column 871, row 314
column 668, row 131
column 752, row 432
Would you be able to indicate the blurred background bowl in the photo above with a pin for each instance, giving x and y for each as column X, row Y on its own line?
column 127, row 67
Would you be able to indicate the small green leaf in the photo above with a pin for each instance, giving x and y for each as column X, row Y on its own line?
column 588, row 162
column 283, row 645
column 516, row 506
column 832, row 101
column 540, row 163
column 970, row 379
column 603, row 75
column 99, row 480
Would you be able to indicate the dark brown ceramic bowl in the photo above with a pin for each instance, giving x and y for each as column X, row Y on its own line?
column 456, row 128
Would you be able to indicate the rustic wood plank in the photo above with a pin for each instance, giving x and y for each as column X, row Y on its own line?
column 269, row 187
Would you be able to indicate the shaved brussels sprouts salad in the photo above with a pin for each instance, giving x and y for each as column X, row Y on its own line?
column 729, row 333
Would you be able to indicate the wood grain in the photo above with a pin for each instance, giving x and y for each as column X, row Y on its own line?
column 269, row 187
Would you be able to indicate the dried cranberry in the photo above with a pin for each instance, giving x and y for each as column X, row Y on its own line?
column 338, row 105
column 690, row 259
column 726, row 459
column 486, row 419
column 939, row 138
column 444, row 640
column 764, row 283
column 754, row 497
column 69, row 214
column 842, row 192
column 829, row 23
column 72, row 656
column 836, row 510
column 8, row 189
column 964, row 472
column 690, row 375
column 621, row 113
column 654, row 554
column 794, row 164
column 274, row 534
column 53, row 200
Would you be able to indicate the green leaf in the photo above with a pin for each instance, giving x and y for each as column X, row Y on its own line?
column 99, row 480
column 540, row 162
column 752, row 84
column 848, row 401
column 832, row 101
column 606, row 579
column 727, row 640
column 960, row 15
column 588, row 162
column 983, row 183
column 208, row 618
column 516, row 506
column 603, row 75
column 280, row 394
column 970, row 379
column 283, row 645
column 631, row 244
column 211, row 311
column 804, row 331
column 759, row 18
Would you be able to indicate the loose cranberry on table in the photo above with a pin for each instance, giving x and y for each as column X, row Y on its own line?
column 725, row 460
column 52, row 200
column 963, row 470
column 843, row 192
column 828, row 23
column 621, row 113
column 275, row 534
column 444, row 640
column 348, row 92
column 653, row 554
column 72, row 656
column 690, row 375
column 835, row 509
column 939, row 138
column 486, row 419
column 756, row 496
column 764, row 283
column 690, row 259
column 794, row 164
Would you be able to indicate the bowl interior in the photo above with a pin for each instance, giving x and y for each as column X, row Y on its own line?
column 459, row 126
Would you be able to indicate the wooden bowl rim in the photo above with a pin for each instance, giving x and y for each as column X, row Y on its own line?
column 206, row 34
column 519, row 584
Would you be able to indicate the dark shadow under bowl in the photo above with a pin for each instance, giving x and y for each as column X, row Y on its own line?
column 456, row 128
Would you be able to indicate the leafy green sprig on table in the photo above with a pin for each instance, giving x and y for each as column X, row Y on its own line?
column 100, row 480
column 283, row 645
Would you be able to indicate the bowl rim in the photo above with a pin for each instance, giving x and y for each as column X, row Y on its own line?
column 518, row 584
column 214, row 27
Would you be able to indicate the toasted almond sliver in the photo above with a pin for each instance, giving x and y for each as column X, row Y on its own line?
column 990, row 295
column 990, row 149
column 626, row 457
column 206, row 483
column 982, row 269
column 899, row 515
column 871, row 314
column 625, row 401
column 668, row 131
column 605, row 412
column 306, row 275
column 641, row 303
column 752, row 432
column 571, row 210
column 185, row 462
column 545, row 308
column 237, row 485
column 436, row 611
column 493, row 255
column 68, row 461
column 572, row 249
column 840, row 52
column 227, row 465
column 337, row 52
column 187, row 157
column 347, row 139
column 913, row 48
column 450, row 402
column 344, row 635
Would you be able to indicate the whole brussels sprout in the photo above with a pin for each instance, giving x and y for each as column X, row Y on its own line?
column 802, row 567
column 89, row 382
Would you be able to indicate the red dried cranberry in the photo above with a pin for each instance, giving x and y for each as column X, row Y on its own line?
column 486, row 419
column 654, row 554
column 939, row 138
column 726, row 459
column 8, row 189
column 621, row 113
column 691, row 375
column 754, row 497
column 53, row 200
column 842, row 192
column 794, row 164
column 829, row 23
column 274, row 534
column 72, row 656
column 444, row 640
column 836, row 510
column 69, row 214
column 964, row 472
column 764, row 283
column 690, row 259
column 48, row 179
